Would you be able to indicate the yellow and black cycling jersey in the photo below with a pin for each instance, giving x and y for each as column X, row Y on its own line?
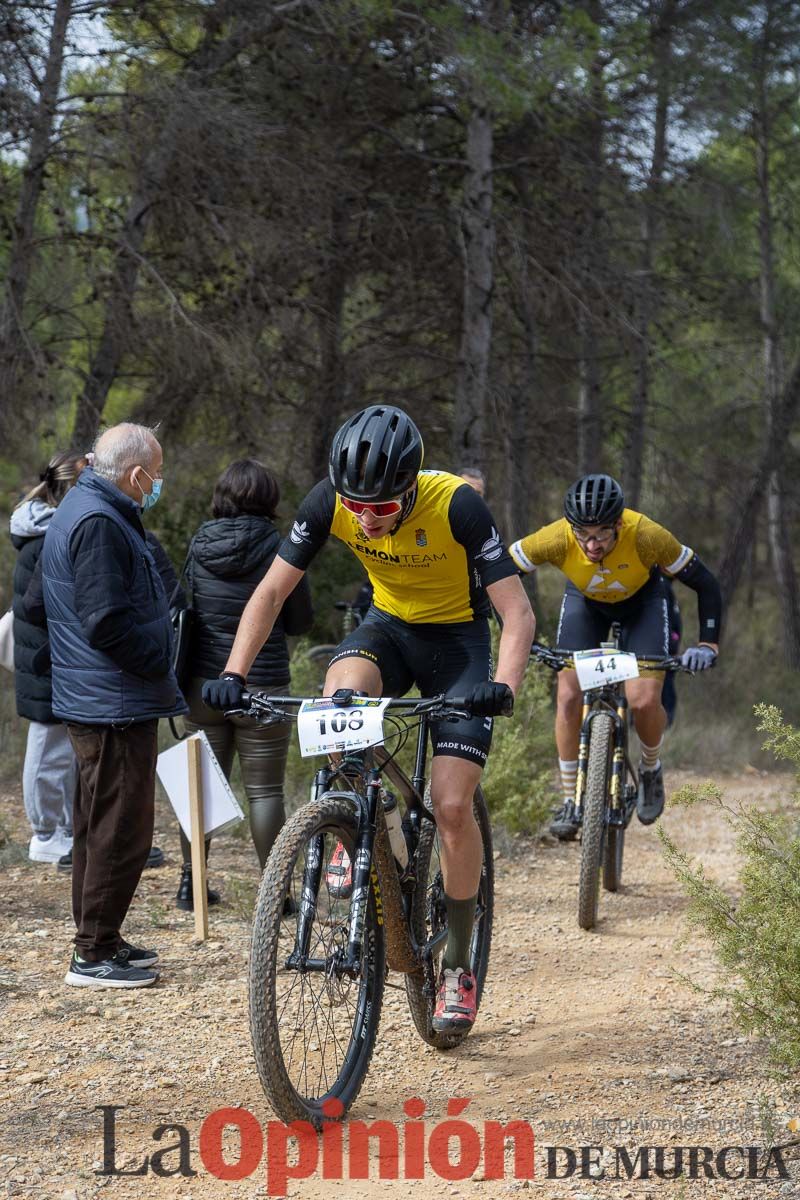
column 641, row 547
column 434, row 568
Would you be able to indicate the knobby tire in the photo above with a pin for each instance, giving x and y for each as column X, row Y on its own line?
column 594, row 811
column 429, row 916
column 313, row 1034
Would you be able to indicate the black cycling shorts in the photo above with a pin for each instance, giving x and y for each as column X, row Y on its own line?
column 644, row 619
column 437, row 658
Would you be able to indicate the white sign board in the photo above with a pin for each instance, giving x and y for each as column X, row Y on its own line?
column 221, row 809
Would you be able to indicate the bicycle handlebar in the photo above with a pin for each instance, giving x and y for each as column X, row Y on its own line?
column 558, row 660
column 438, row 708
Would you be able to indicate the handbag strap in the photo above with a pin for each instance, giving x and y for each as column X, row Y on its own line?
column 181, row 574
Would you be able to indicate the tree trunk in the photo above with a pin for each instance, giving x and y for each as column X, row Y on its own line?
column 780, row 548
column 12, row 320
column 783, row 567
column 590, row 436
column 770, row 461
column 634, row 449
column 478, row 244
column 591, row 259
column 331, row 390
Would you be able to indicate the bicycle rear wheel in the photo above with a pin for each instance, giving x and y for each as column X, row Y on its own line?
column 313, row 1031
column 429, row 917
column 613, row 851
column 594, row 814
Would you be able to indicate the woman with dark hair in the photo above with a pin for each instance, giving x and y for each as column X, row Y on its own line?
column 50, row 772
column 228, row 558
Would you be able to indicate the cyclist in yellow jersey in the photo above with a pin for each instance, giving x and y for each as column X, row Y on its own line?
column 613, row 558
column 433, row 555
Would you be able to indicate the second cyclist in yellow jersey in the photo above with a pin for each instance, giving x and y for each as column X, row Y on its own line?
column 640, row 546
column 615, row 559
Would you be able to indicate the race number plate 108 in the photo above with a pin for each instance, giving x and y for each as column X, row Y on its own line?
column 596, row 668
column 325, row 728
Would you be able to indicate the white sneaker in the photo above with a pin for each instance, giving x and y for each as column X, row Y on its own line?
column 49, row 849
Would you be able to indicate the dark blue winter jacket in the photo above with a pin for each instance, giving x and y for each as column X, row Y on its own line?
column 107, row 614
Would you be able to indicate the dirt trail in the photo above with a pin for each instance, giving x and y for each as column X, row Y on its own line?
column 588, row 1037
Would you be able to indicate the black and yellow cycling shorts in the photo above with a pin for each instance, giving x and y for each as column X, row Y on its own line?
column 447, row 659
column 644, row 621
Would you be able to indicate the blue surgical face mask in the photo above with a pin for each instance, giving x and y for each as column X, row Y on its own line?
column 151, row 498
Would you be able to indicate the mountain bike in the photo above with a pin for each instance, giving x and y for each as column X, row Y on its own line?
column 320, row 951
column 607, row 785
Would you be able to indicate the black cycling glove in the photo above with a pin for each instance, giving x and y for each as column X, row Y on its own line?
column 225, row 692
column 491, row 700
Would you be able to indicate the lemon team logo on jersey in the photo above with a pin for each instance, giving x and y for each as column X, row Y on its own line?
column 419, row 571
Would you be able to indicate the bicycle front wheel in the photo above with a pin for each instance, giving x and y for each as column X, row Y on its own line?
column 313, row 1027
column 429, row 918
column 594, row 815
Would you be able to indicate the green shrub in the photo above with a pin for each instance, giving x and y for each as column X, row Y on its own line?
column 755, row 935
column 518, row 780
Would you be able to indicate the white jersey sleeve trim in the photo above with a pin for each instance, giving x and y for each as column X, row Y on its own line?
column 520, row 558
column 680, row 562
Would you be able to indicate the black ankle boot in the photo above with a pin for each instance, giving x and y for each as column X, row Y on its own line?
column 184, row 898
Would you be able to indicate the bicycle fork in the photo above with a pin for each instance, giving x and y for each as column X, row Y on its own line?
column 617, row 814
column 347, row 962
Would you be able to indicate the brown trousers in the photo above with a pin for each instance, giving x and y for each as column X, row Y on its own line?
column 112, row 828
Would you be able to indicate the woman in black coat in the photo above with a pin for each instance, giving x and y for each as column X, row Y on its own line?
column 227, row 559
column 50, row 772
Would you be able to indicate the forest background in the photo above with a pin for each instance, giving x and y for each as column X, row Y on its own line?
column 563, row 236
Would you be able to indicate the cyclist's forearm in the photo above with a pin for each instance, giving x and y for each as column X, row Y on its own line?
column 260, row 615
column 514, row 650
column 255, row 627
column 697, row 576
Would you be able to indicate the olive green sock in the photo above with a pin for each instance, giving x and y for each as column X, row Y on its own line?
column 460, row 921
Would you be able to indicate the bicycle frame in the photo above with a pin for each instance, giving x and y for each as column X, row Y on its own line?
column 373, row 864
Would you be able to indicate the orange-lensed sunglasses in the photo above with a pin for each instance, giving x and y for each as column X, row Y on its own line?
column 382, row 508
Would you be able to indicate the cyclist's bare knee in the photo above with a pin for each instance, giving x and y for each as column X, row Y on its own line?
column 356, row 673
column 644, row 696
column 453, row 784
column 569, row 698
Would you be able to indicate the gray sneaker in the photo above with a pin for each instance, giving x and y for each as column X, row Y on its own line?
column 565, row 824
column 650, row 802
column 136, row 956
column 114, row 972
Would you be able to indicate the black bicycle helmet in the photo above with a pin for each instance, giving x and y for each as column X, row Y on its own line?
column 594, row 500
column 376, row 455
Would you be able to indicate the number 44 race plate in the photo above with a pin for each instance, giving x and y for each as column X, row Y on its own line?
column 596, row 668
column 323, row 728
